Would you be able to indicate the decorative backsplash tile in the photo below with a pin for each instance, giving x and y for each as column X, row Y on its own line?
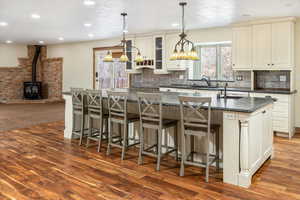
column 150, row 80
column 272, row 79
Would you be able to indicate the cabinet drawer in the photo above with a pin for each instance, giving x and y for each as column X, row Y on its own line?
column 280, row 125
column 280, row 114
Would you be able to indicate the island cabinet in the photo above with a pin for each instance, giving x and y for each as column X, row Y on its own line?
column 252, row 134
column 264, row 45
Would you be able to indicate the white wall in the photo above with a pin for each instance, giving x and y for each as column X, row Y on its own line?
column 9, row 54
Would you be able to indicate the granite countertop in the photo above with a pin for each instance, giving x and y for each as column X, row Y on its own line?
column 179, row 86
column 245, row 104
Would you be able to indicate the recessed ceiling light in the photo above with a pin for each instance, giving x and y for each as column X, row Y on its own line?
column 35, row 16
column 61, row 38
column 91, row 35
column 246, row 15
column 175, row 24
column 41, row 42
column 89, row 2
column 3, row 24
column 87, row 24
column 9, row 41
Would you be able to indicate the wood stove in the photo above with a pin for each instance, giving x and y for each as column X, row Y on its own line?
column 33, row 89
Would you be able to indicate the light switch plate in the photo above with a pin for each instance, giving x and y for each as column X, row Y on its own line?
column 282, row 78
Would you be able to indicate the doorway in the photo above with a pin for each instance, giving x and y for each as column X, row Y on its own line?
column 108, row 75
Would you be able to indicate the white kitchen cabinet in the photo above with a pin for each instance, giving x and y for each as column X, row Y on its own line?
column 146, row 46
column 267, row 45
column 242, row 48
column 261, row 44
column 131, row 53
column 283, row 45
column 159, row 50
column 283, row 113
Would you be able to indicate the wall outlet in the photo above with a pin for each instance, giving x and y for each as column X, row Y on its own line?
column 181, row 77
column 239, row 77
column 282, row 78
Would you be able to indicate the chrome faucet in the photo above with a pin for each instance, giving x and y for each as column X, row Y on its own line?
column 206, row 79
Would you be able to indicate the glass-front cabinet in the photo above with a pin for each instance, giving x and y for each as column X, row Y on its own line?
column 130, row 52
column 159, row 55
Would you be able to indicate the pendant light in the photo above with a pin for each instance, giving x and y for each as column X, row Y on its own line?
column 124, row 58
column 180, row 51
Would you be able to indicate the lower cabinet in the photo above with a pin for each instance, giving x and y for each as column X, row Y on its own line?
column 282, row 114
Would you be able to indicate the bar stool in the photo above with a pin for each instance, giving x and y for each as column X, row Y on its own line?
column 98, row 114
column 118, row 113
column 150, row 109
column 79, row 110
column 196, row 122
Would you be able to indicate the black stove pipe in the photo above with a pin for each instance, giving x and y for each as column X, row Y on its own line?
column 34, row 62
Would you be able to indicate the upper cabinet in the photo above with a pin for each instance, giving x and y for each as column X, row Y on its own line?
column 264, row 45
column 283, row 45
column 160, row 66
column 130, row 52
column 241, row 48
column 261, row 44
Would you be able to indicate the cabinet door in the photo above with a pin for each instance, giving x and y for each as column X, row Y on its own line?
column 267, row 134
column 283, row 45
column 242, row 48
column 159, row 55
column 261, row 44
column 145, row 45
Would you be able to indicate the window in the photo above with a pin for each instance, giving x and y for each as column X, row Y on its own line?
column 215, row 61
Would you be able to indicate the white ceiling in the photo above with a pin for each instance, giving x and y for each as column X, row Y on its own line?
column 65, row 18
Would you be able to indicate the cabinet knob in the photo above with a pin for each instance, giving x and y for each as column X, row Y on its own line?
column 233, row 64
column 268, row 64
column 263, row 112
column 272, row 64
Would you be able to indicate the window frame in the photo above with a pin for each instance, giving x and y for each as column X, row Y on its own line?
column 218, row 46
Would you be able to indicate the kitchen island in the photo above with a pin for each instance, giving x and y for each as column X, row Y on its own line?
column 246, row 131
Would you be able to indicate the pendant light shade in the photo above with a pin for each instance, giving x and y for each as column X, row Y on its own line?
column 108, row 57
column 124, row 57
column 184, row 44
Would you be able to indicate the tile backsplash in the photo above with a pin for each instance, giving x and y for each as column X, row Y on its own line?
column 150, row 80
column 272, row 80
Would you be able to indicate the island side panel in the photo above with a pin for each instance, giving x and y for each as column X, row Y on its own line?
column 68, row 116
column 231, row 131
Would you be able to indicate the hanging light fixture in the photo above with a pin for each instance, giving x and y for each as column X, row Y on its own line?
column 124, row 58
column 180, row 52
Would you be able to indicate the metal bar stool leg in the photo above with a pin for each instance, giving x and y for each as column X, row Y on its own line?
column 90, row 131
column 82, row 128
column 207, row 158
column 176, row 141
column 100, row 134
column 109, row 137
column 124, row 141
column 140, row 161
column 183, row 153
column 217, row 150
column 159, row 149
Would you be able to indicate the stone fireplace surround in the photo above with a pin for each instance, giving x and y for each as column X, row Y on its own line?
column 49, row 72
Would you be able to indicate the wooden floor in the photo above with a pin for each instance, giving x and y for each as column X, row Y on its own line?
column 37, row 163
column 13, row 116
